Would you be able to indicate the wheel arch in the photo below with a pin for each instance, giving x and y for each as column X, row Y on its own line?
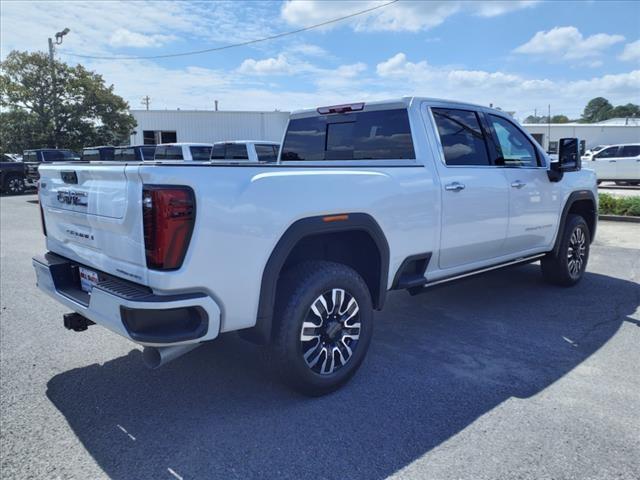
column 583, row 203
column 305, row 235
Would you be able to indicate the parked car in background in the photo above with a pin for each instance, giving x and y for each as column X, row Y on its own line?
column 33, row 158
column 127, row 153
column 588, row 154
column 618, row 163
column 183, row 151
column 12, row 174
column 405, row 194
column 247, row 150
column 103, row 153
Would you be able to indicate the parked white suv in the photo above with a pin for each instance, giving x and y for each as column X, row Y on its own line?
column 246, row 150
column 403, row 194
column 183, row 151
column 618, row 163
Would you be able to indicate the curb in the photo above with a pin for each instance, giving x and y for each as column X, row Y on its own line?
column 619, row 218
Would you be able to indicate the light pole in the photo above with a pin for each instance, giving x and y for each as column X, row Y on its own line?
column 59, row 36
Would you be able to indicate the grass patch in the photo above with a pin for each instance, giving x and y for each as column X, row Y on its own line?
column 611, row 205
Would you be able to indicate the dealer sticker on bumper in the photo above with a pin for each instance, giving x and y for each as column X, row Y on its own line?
column 88, row 279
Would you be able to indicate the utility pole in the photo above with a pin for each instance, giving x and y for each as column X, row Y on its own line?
column 549, row 123
column 59, row 36
column 146, row 101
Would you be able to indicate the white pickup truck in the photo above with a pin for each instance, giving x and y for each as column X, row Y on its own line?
column 364, row 198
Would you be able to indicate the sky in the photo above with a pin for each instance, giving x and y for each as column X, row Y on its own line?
column 518, row 55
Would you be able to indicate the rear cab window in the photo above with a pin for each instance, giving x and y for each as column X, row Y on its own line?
column 200, row 152
column 266, row 153
column 359, row 135
column 60, row 156
column 172, row 152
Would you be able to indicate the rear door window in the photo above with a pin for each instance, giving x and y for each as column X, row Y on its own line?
column 375, row 135
column 169, row 153
column 124, row 154
column 148, row 152
column 200, row 153
column 267, row 153
column 462, row 138
column 217, row 152
column 630, row 151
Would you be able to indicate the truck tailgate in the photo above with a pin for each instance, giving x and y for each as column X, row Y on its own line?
column 93, row 215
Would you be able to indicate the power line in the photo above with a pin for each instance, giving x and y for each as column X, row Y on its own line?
column 235, row 45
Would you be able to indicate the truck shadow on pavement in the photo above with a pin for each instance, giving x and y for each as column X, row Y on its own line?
column 437, row 362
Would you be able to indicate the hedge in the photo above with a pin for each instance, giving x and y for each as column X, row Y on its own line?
column 611, row 205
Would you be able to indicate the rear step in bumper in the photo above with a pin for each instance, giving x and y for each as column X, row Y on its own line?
column 129, row 309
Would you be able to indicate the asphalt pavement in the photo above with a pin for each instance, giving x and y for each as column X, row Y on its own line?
column 498, row 377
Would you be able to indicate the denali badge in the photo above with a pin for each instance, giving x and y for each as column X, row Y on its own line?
column 70, row 197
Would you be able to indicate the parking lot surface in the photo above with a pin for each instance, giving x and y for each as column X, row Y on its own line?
column 501, row 376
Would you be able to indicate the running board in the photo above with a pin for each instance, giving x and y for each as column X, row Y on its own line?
column 519, row 261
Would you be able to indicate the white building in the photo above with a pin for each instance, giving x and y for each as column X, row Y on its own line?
column 589, row 134
column 206, row 126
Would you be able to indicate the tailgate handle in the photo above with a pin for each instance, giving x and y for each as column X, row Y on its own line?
column 69, row 177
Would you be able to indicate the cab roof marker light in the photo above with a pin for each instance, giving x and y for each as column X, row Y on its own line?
column 347, row 107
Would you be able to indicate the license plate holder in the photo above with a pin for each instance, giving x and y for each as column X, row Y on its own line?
column 88, row 279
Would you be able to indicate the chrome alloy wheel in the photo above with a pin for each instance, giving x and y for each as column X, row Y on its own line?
column 577, row 252
column 15, row 185
column 330, row 331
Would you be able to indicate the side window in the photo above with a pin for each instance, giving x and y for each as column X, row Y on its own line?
column 266, row 153
column 236, row 151
column 169, row 153
column 630, row 151
column 608, row 153
column 217, row 153
column 462, row 138
column 148, row 153
column 514, row 147
column 90, row 155
column 200, row 153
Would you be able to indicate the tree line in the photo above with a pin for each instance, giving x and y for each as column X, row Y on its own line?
column 597, row 110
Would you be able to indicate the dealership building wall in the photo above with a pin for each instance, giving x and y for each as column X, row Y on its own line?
column 592, row 134
column 206, row 126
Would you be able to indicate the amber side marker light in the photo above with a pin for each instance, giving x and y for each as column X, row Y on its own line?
column 335, row 218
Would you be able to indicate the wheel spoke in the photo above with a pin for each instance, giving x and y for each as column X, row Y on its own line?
column 337, row 297
column 320, row 308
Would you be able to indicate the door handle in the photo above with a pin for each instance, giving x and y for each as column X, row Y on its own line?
column 612, row 161
column 454, row 187
column 518, row 184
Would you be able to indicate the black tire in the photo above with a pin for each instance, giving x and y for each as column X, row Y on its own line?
column 568, row 266
column 13, row 184
column 299, row 291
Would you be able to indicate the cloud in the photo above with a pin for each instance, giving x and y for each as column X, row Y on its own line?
column 308, row 50
column 568, row 43
column 508, row 90
column 126, row 38
column 268, row 66
column 631, row 52
column 402, row 16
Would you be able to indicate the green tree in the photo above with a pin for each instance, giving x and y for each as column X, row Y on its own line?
column 597, row 109
column 57, row 105
column 622, row 111
column 559, row 119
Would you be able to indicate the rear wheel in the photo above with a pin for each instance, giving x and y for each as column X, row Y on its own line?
column 324, row 325
column 568, row 266
column 13, row 185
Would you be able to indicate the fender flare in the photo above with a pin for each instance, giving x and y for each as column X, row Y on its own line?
column 261, row 332
column 573, row 198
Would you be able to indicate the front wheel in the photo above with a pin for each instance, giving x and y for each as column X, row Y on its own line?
column 324, row 325
column 568, row 266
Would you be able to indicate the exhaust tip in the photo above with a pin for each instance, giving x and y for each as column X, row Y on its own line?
column 151, row 357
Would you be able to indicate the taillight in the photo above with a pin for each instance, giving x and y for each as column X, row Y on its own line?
column 44, row 227
column 169, row 214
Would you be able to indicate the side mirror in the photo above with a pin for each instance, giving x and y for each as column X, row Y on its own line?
column 569, row 155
